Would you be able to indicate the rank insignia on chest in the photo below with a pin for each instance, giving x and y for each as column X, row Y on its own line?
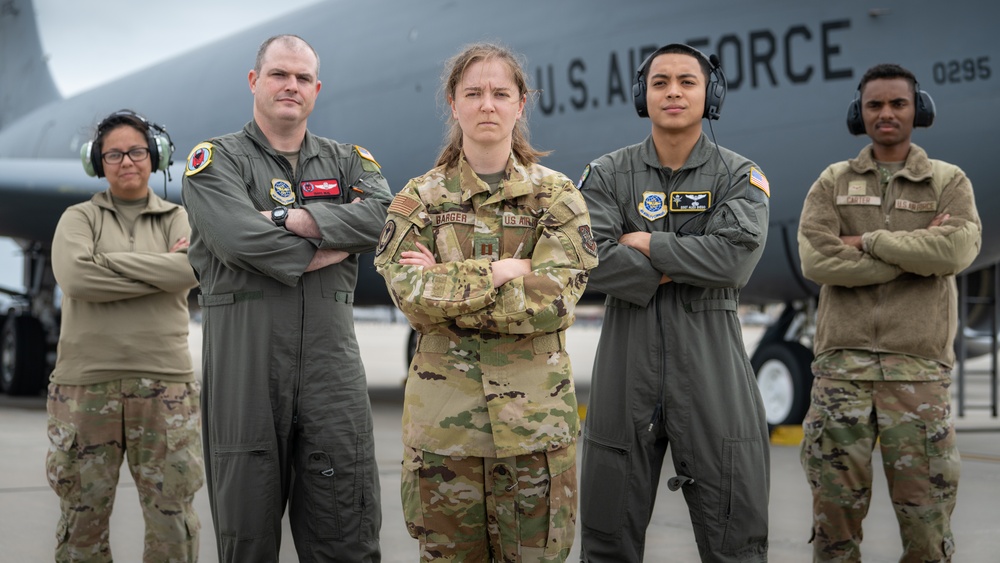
column 281, row 191
column 320, row 188
column 653, row 206
column 487, row 248
column 857, row 187
column 199, row 159
column 687, row 202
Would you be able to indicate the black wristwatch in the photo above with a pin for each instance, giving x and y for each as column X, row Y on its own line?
column 278, row 215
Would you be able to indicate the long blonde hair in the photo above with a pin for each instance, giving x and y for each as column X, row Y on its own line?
column 454, row 70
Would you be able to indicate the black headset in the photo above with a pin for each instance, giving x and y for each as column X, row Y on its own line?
column 715, row 92
column 922, row 117
column 160, row 146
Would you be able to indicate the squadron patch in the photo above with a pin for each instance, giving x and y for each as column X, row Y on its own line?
column 199, row 159
column 281, row 191
column 688, row 202
column 589, row 244
column 313, row 189
column 583, row 177
column 388, row 231
column 652, row 206
column 757, row 179
column 367, row 156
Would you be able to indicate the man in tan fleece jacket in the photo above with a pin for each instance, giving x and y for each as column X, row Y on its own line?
column 885, row 234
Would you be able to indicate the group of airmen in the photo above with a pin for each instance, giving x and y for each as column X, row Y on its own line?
column 487, row 255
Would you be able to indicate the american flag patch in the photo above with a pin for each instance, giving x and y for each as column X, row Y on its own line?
column 757, row 179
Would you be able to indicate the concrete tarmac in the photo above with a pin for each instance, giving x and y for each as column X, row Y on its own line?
column 29, row 509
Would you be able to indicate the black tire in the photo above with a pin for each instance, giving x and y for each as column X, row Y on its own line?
column 785, row 381
column 22, row 361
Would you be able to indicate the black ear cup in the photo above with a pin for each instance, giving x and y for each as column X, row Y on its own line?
column 715, row 92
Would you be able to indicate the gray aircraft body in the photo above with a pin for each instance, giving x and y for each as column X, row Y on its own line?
column 792, row 69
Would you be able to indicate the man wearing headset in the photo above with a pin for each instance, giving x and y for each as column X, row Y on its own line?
column 680, row 224
column 884, row 234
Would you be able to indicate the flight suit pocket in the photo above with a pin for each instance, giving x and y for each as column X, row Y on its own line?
column 245, row 492
column 605, row 481
column 322, row 478
column 184, row 468
column 60, row 463
column 562, row 500
column 409, row 488
column 743, row 494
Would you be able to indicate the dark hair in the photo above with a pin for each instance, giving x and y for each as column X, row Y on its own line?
column 887, row 71
column 680, row 49
column 454, row 70
column 120, row 117
column 290, row 41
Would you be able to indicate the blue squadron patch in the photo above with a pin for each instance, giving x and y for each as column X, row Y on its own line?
column 199, row 159
column 281, row 191
column 688, row 202
column 652, row 206
column 583, row 178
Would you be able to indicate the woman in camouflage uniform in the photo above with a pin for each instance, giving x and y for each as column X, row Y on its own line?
column 487, row 255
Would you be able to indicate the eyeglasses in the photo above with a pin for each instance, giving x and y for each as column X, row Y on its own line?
column 135, row 155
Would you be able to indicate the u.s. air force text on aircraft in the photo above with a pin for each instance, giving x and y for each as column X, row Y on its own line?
column 797, row 54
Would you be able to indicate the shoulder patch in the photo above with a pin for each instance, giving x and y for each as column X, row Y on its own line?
column 367, row 157
column 388, row 232
column 199, row 159
column 403, row 205
column 583, row 177
column 758, row 179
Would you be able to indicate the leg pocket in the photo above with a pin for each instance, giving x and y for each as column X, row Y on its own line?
column 60, row 462
column 743, row 495
column 604, row 486
column 184, row 467
column 247, row 487
column 562, row 501
column 321, row 480
column 409, row 491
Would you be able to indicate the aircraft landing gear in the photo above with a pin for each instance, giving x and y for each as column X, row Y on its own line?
column 22, row 355
column 782, row 364
column 785, row 381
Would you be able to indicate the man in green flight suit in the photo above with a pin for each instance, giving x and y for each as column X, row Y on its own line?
column 680, row 224
column 276, row 228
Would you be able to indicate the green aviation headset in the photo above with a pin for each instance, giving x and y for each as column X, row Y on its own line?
column 160, row 146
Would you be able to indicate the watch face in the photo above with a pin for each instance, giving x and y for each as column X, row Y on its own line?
column 278, row 214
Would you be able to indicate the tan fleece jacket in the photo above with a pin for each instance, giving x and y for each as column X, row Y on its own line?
column 124, row 305
column 897, row 296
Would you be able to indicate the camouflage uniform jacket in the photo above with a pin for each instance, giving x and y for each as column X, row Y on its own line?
column 491, row 377
column 114, row 284
column 898, row 295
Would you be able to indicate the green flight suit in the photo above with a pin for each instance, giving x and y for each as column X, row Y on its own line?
column 286, row 407
column 671, row 367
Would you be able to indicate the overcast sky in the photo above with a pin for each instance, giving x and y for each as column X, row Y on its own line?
column 75, row 33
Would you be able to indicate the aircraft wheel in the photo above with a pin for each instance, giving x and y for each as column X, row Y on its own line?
column 785, row 381
column 22, row 360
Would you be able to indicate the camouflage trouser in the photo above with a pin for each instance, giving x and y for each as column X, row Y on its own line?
column 514, row 509
column 91, row 428
column 912, row 423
